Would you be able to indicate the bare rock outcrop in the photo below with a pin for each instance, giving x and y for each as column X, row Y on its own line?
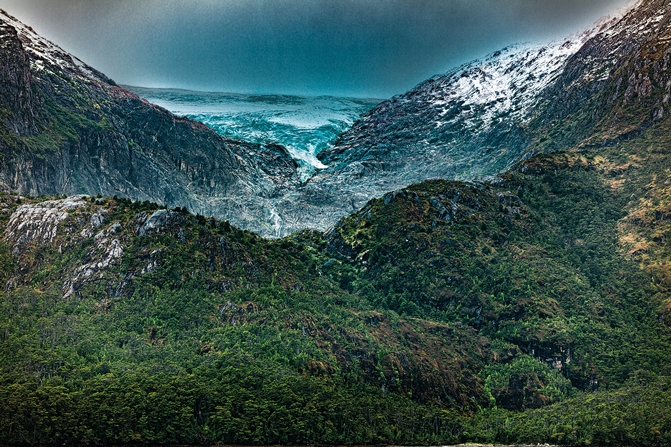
column 36, row 225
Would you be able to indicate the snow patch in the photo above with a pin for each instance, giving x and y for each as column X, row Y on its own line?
column 45, row 54
column 505, row 84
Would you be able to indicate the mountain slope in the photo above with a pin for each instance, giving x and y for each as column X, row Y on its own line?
column 66, row 128
column 423, row 306
column 470, row 122
column 613, row 88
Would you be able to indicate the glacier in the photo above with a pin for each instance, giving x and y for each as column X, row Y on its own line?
column 304, row 125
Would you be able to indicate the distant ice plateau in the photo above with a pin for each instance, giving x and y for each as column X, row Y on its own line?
column 304, row 125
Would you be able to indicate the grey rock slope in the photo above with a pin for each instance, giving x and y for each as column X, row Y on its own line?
column 65, row 128
column 473, row 121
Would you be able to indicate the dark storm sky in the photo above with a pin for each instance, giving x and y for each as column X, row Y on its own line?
column 365, row 48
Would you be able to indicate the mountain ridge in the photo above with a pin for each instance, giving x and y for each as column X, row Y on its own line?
column 79, row 132
column 284, row 204
column 528, row 307
column 502, row 92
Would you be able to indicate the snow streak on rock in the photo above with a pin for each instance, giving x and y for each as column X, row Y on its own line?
column 505, row 85
column 47, row 56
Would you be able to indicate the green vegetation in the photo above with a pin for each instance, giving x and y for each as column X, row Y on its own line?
column 547, row 276
column 533, row 309
column 56, row 125
column 637, row 414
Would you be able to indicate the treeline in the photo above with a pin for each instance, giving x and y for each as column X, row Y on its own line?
column 250, row 405
column 232, row 404
column 636, row 415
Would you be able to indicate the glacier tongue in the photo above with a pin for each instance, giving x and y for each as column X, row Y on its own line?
column 304, row 125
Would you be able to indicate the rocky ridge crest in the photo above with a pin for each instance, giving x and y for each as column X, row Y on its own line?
column 67, row 128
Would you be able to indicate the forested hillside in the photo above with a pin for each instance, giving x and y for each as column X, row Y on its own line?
column 439, row 313
column 531, row 306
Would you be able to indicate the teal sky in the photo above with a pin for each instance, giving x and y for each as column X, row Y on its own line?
column 363, row 48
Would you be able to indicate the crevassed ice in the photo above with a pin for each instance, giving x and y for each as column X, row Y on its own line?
column 304, row 125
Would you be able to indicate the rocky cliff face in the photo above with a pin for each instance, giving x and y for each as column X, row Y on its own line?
column 597, row 86
column 16, row 95
column 67, row 128
column 614, row 88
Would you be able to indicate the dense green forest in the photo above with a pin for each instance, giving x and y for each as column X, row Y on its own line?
column 531, row 308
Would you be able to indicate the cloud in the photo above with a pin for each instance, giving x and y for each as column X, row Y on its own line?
column 341, row 47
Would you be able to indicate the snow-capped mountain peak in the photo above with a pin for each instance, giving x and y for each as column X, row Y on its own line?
column 475, row 120
column 506, row 83
column 45, row 55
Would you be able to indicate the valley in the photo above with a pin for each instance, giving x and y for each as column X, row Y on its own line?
column 482, row 259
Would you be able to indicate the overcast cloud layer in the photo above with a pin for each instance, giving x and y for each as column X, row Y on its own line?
column 365, row 48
